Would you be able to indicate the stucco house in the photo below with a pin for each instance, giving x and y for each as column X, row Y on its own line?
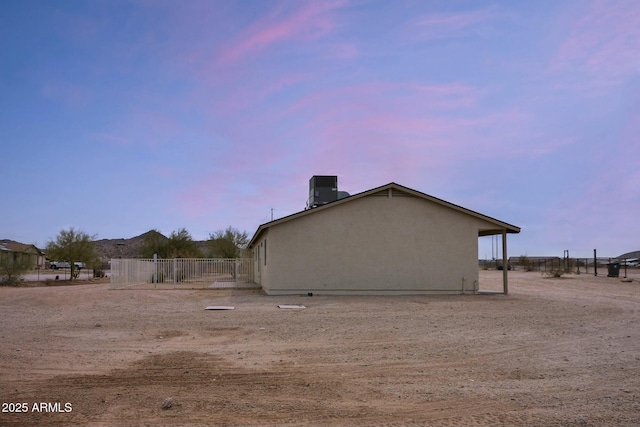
column 387, row 240
column 14, row 252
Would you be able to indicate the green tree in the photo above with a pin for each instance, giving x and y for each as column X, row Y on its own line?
column 154, row 243
column 72, row 246
column 181, row 245
column 229, row 243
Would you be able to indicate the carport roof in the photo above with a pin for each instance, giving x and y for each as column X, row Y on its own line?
column 500, row 226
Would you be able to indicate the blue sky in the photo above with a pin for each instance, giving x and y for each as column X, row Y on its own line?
column 117, row 117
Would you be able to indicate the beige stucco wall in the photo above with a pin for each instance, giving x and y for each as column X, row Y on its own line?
column 373, row 245
column 260, row 267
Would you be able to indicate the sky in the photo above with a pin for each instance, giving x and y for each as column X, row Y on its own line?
column 117, row 117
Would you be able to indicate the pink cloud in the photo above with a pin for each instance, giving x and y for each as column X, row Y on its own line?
column 144, row 128
column 344, row 51
column 374, row 96
column 309, row 22
column 348, row 128
column 603, row 209
column 602, row 212
column 76, row 28
column 369, row 133
column 254, row 92
column 422, row 148
column 244, row 205
column 400, row 111
column 604, row 42
column 71, row 94
column 152, row 119
column 164, row 171
column 110, row 138
column 448, row 25
column 201, row 197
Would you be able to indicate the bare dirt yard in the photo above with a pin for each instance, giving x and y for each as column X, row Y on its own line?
column 554, row 352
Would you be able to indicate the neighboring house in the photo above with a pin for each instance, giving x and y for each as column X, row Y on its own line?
column 387, row 240
column 20, row 252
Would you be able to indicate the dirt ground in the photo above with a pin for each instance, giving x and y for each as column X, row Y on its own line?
column 554, row 352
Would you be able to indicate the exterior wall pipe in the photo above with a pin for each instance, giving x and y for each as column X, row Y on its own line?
column 505, row 266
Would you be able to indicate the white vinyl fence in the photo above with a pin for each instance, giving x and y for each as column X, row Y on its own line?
column 181, row 273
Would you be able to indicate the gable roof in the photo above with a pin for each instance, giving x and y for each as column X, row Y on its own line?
column 395, row 189
column 11, row 246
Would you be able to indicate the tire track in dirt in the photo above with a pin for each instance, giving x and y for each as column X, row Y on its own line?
column 210, row 389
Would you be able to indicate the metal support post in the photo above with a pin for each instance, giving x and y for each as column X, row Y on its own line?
column 505, row 265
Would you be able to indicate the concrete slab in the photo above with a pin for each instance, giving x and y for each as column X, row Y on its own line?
column 234, row 285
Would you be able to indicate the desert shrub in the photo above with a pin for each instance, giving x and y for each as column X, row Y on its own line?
column 525, row 263
column 10, row 281
column 555, row 272
column 11, row 271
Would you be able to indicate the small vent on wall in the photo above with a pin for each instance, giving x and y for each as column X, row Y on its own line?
column 399, row 193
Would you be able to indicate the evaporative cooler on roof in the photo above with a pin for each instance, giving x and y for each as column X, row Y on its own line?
column 323, row 189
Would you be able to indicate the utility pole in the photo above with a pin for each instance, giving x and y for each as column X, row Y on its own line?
column 271, row 214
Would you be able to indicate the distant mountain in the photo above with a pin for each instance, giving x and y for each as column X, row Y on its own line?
column 129, row 248
column 122, row 248
column 629, row 255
